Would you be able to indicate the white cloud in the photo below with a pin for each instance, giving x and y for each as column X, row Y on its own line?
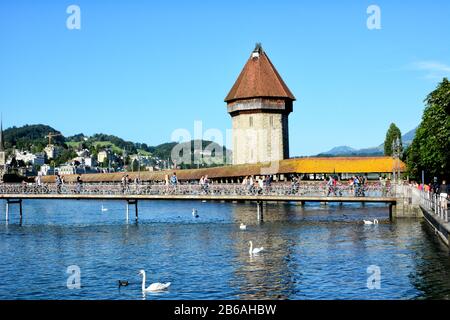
column 433, row 69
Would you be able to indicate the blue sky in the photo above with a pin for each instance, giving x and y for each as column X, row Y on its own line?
column 141, row 69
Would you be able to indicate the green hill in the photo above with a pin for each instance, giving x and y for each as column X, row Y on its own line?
column 32, row 137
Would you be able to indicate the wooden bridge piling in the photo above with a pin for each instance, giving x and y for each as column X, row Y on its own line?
column 260, row 211
column 19, row 202
column 135, row 202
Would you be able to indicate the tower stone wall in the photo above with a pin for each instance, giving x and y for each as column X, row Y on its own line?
column 260, row 136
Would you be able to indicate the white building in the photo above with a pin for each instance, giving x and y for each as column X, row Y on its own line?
column 46, row 170
column 85, row 161
column 102, row 155
column 83, row 153
column 67, row 169
column 51, row 151
column 30, row 158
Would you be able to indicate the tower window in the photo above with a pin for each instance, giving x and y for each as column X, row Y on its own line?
column 250, row 119
column 271, row 121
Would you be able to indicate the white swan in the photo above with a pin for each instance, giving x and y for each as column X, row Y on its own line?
column 157, row 286
column 104, row 209
column 375, row 221
column 243, row 226
column 194, row 213
column 252, row 251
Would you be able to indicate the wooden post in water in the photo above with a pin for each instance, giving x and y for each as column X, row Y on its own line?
column 128, row 210
column 392, row 208
column 259, row 210
column 20, row 211
column 7, row 210
column 136, row 208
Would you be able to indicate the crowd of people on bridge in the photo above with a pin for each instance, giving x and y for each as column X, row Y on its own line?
column 258, row 185
column 356, row 185
column 441, row 190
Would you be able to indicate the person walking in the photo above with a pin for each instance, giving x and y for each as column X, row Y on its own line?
column 261, row 183
column 174, row 179
column 79, row 184
column 250, row 185
column 435, row 185
column 58, row 182
column 123, row 183
column 331, row 186
column 38, row 180
column 356, row 186
column 166, row 179
column 443, row 193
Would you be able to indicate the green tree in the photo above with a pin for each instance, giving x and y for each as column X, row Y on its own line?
column 392, row 134
column 105, row 163
column 135, row 165
column 430, row 149
column 65, row 156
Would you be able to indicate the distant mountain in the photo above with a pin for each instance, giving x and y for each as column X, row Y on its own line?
column 347, row 151
column 341, row 150
column 408, row 137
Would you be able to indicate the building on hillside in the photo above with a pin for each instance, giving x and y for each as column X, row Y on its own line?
column 37, row 159
column 103, row 155
column 85, row 161
column 66, row 169
column 46, row 170
column 259, row 103
column 83, row 153
column 51, row 151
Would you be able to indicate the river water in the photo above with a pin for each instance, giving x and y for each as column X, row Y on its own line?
column 313, row 252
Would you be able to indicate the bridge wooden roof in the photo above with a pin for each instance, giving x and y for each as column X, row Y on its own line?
column 259, row 79
column 352, row 165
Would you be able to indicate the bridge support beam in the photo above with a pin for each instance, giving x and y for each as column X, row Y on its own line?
column 135, row 202
column 260, row 211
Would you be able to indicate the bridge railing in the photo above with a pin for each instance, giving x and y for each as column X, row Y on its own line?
column 436, row 204
column 317, row 189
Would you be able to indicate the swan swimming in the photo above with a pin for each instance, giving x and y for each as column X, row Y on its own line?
column 157, row 286
column 194, row 213
column 243, row 226
column 375, row 221
column 252, row 251
column 104, row 209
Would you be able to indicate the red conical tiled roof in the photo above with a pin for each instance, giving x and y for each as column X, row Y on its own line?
column 258, row 79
